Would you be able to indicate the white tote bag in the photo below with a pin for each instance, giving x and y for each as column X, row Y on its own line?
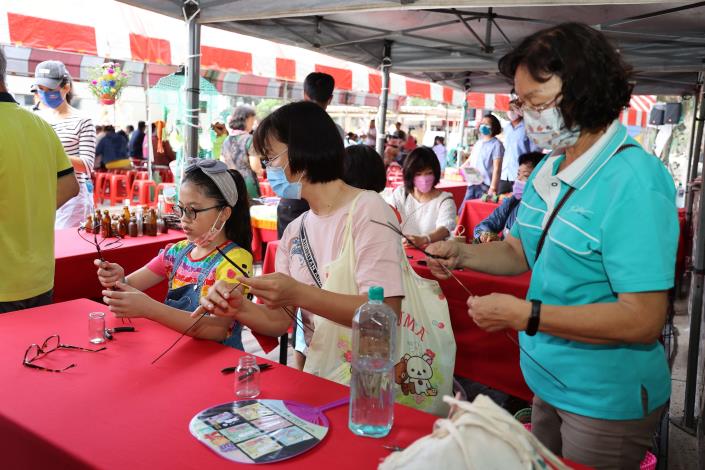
column 476, row 436
column 426, row 351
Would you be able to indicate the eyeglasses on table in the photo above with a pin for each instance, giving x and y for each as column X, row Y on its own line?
column 52, row 343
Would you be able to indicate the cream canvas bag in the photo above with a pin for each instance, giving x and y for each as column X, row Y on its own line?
column 426, row 352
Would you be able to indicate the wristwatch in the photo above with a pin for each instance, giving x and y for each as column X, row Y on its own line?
column 533, row 326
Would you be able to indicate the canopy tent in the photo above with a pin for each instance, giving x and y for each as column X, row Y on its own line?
column 458, row 42
column 236, row 64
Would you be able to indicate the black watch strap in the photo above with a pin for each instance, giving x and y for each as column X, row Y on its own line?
column 533, row 326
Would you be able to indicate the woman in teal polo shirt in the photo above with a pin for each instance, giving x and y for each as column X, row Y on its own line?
column 597, row 225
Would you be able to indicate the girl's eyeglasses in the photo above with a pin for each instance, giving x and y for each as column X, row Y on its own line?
column 267, row 161
column 190, row 213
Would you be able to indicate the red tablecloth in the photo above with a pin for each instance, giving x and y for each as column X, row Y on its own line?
column 456, row 188
column 115, row 410
column 76, row 275
column 488, row 358
column 259, row 236
column 474, row 211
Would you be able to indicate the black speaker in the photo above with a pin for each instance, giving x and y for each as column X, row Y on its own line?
column 672, row 115
column 656, row 115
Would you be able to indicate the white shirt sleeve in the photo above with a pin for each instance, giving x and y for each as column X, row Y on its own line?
column 447, row 212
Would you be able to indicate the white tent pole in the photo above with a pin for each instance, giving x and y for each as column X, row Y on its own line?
column 150, row 150
column 382, row 116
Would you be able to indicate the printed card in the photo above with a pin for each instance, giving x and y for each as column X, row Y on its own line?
column 240, row 432
column 259, row 446
column 291, row 435
column 254, row 411
column 271, row 423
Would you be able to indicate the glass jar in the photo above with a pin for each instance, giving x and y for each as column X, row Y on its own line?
column 247, row 377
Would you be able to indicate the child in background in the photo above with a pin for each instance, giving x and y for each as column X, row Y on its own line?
column 214, row 212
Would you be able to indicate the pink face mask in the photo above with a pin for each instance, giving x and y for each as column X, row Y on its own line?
column 207, row 238
column 424, row 183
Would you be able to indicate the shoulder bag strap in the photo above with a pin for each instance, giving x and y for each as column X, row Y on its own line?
column 308, row 253
column 560, row 205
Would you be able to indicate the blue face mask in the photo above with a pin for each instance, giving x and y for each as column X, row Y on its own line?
column 51, row 98
column 485, row 129
column 281, row 186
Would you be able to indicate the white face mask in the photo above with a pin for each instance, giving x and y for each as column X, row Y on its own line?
column 513, row 115
column 547, row 129
column 207, row 238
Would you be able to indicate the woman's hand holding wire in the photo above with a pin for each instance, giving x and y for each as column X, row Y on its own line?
column 109, row 273
column 223, row 299
column 275, row 290
column 445, row 254
column 496, row 312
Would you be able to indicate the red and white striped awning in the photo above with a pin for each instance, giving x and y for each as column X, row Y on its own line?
column 121, row 32
column 637, row 114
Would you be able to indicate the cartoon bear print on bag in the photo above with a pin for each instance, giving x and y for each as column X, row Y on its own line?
column 413, row 374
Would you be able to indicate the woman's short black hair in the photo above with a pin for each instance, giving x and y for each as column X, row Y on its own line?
column 596, row 85
column 239, row 117
column 495, row 125
column 421, row 158
column 237, row 227
column 363, row 168
column 313, row 142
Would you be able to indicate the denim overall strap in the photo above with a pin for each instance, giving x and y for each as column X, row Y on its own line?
column 178, row 260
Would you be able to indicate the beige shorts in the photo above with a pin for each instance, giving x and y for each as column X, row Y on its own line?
column 597, row 443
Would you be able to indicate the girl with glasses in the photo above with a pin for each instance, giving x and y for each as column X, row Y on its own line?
column 215, row 216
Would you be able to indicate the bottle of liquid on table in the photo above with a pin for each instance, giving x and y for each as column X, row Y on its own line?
column 374, row 337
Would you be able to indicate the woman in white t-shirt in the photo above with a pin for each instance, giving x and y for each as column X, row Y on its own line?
column 77, row 135
column 312, row 169
column 427, row 214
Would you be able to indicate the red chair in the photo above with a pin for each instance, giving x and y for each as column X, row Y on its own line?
column 101, row 181
column 117, row 189
column 143, row 189
column 160, row 191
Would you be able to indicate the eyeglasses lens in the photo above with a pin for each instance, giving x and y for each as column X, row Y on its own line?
column 32, row 353
column 51, row 344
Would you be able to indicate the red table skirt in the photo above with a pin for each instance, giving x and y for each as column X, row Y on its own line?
column 488, row 358
column 75, row 275
column 473, row 212
column 456, row 188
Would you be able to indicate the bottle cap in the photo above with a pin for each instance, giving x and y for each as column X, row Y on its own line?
column 376, row 293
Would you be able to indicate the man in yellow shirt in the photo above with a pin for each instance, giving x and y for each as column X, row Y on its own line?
column 36, row 178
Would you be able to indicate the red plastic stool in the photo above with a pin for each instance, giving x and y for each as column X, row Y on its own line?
column 118, row 189
column 100, row 187
column 142, row 189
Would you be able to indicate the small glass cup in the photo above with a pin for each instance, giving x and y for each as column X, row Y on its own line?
column 247, row 377
column 96, row 327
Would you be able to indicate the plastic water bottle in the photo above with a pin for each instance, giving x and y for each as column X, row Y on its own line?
column 374, row 337
column 680, row 196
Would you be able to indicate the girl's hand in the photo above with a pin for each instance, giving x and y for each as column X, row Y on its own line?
column 449, row 256
column 109, row 273
column 497, row 312
column 275, row 290
column 126, row 301
column 223, row 299
column 418, row 240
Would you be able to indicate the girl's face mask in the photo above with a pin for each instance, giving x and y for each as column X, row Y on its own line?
column 211, row 234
